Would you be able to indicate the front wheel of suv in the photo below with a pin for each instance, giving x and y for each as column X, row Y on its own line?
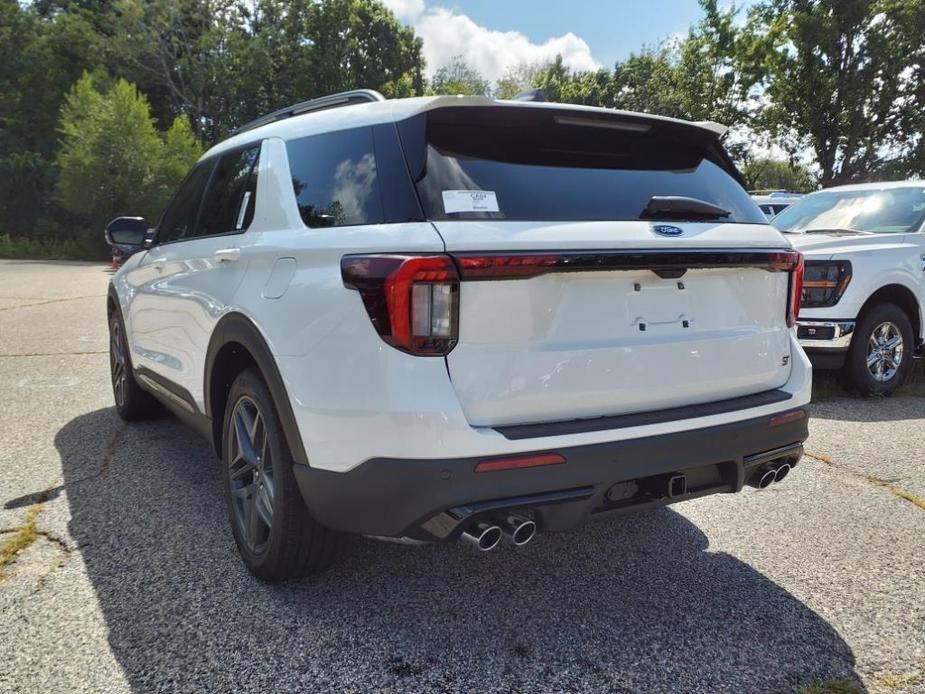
column 276, row 535
column 132, row 403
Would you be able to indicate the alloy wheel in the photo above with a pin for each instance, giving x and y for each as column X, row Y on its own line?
column 117, row 366
column 884, row 351
column 250, row 472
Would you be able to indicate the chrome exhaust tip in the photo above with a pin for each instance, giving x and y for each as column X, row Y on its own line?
column 766, row 479
column 484, row 536
column 519, row 530
column 781, row 472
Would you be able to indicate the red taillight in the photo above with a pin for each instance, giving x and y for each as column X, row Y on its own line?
column 792, row 262
column 495, row 464
column 412, row 300
column 796, row 290
column 486, row 267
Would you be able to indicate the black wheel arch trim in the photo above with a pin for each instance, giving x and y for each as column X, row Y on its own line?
column 238, row 328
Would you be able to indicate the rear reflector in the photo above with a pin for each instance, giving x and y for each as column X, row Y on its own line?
column 787, row 417
column 495, row 464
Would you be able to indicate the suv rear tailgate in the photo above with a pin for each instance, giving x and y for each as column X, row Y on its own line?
column 603, row 341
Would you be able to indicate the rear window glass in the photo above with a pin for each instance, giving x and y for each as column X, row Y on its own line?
column 548, row 165
column 335, row 178
column 885, row 211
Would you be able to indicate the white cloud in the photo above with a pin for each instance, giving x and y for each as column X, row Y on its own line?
column 447, row 34
column 406, row 10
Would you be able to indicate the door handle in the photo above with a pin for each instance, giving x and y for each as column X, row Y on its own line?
column 227, row 255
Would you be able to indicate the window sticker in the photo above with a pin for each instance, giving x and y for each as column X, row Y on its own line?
column 243, row 210
column 470, row 201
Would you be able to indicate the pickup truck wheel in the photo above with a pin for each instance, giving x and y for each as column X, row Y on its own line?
column 132, row 403
column 276, row 535
column 881, row 350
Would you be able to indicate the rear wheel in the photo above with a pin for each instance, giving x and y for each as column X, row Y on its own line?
column 881, row 350
column 276, row 535
column 132, row 403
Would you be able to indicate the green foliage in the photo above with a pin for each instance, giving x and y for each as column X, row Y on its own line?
column 694, row 78
column 517, row 79
column 31, row 248
column 765, row 173
column 112, row 160
column 838, row 81
column 845, row 78
column 457, row 77
column 225, row 62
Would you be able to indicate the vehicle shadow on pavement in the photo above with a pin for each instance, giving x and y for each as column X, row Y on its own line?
column 636, row 604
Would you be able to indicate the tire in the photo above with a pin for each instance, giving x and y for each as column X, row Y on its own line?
column 276, row 535
column 132, row 403
column 879, row 328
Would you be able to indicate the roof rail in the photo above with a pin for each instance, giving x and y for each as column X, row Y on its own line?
column 354, row 96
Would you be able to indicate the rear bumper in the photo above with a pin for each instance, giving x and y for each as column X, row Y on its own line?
column 437, row 499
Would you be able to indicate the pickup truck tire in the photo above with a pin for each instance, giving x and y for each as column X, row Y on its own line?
column 277, row 537
column 881, row 351
column 132, row 403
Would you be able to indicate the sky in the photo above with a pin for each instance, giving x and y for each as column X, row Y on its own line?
column 493, row 35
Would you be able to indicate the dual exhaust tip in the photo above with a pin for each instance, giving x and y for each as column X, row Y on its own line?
column 767, row 476
column 486, row 536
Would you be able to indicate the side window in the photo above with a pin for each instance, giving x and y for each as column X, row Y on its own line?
column 229, row 202
column 179, row 219
column 335, row 179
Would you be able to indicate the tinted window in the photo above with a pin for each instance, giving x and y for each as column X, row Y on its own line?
column 229, row 202
column 890, row 210
column 548, row 165
column 179, row 220
column 335, row 178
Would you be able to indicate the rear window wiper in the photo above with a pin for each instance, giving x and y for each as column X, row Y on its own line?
column 680, row 207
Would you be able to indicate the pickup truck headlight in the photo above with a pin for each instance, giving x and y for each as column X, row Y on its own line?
column 824, row 282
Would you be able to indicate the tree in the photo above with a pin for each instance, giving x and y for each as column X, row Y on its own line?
column 693, row 78
column 225, row 62
column 39, row 60
column 766, row 173
column 112, row 161
column 517, row 79
column 457, row 77
column 844, row 78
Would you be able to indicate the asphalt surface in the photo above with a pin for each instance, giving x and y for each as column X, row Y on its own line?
column 130, row 580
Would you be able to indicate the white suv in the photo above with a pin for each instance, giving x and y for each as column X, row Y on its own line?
column 445, row 317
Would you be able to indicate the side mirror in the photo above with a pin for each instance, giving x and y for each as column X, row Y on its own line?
column 128, row 233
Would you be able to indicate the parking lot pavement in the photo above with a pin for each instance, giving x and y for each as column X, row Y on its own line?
column 127, row 578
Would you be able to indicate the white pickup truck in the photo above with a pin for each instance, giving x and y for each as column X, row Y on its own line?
column 864, row 283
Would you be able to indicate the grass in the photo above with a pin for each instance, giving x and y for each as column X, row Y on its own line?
column 842, row 686
column 19, row 538
column 897, row 491
column 30, row 248
column 894, row 682
column 818, row 456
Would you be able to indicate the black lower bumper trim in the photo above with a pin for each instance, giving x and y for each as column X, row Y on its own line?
column 428, row 499
column 638, row 419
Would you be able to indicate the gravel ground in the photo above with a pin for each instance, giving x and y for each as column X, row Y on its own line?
column 128, row 577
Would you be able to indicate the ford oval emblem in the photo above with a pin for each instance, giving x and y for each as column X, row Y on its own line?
column 667, row 230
